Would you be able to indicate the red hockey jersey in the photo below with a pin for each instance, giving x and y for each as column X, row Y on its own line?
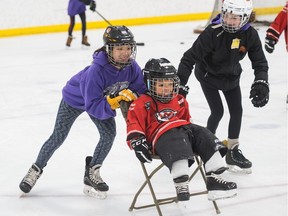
column 279, row 25
column 152, row 118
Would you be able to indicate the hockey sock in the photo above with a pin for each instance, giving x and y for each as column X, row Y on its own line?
column 179, row 168
column 232, row 143
column 215, row 162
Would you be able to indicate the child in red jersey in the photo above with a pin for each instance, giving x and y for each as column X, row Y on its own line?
column 159, row 123
column 276, row 28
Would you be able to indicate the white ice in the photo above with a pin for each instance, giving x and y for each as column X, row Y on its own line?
column 33, row 71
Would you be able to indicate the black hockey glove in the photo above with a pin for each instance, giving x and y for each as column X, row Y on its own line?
column 141, row 149
column 184, row 90
column 270, row 44
column 259, row 93
column 93, row 6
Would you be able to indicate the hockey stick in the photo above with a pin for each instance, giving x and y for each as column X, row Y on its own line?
column 103, row 18
column 137, row 44
column 262, row 22
column 200, row 29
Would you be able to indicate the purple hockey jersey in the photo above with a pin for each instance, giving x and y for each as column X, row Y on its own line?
column 75, row 7
column 86, row 89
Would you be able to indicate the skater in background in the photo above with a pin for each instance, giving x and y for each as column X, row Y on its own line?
column 277, row 27
column 78, row 7
column 159, row 122
column 113, row 76
column 216, row 55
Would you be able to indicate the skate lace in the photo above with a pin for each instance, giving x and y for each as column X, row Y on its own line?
column 32, row 176
column 218, row 178
column 95, row 176
column 182, row 188
column 237, row 154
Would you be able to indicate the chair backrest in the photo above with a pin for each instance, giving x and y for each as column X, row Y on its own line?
column 124, row 107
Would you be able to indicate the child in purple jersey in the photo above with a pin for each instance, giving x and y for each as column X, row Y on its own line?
column 113, row 76
column 79, row 7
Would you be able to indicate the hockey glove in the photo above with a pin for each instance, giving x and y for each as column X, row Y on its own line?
column 259, row 93
column 270, row 44
column 184, row 90
column 126, row 95
column 92, row 6
column 114, row 102
column 141, row 149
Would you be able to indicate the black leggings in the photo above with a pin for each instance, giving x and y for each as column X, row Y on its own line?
column 234, row 101
column 72, row 23
column 65, row 119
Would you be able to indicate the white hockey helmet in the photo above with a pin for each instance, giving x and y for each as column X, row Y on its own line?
column 242, row 8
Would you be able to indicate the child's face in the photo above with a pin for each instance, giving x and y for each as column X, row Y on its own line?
column 231, row 20
column 122, row 53
column 164, row 87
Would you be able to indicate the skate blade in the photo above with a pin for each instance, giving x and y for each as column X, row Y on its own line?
column 85, row 46
column 236, row 169
column 183, row 207
column 217, row 195
column 90, row 191
column 22, row 194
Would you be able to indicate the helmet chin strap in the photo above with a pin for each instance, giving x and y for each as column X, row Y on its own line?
column 118, row 64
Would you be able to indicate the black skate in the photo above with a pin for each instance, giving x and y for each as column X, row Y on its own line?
column 218, row 188
column 94, row 185
column 182, row 188
column 30, row 178
column 236, row 162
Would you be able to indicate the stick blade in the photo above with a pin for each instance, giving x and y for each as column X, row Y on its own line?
column 140, row 44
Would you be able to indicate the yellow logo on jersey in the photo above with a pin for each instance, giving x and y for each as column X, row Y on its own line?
column 235, row 43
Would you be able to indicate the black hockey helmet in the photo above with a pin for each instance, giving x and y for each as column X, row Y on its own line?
column 160, row 70
column 119, row 36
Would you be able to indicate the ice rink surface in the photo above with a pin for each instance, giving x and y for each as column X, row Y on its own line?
column 34, row 70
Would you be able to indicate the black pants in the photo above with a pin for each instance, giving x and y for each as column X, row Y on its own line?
column 72, row 23
column 185, row 142
column 234, row 102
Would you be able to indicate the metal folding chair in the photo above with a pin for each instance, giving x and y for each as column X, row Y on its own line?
column 157, row 202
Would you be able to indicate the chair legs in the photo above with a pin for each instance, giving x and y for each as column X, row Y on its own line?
column 200, row 168
column 157, row 202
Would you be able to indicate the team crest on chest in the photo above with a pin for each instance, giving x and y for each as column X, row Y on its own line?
column 147, row 105
column 165, row 115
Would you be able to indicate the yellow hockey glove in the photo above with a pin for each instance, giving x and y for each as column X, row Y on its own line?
column 115, row 101
column 128, row 94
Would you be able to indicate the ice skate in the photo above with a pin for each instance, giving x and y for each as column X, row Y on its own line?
column 69, row 41
column 218, row 188
column 182, row 188
column 94, row 185
column 30, row 178
column 85, row 41
column 236, row 162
